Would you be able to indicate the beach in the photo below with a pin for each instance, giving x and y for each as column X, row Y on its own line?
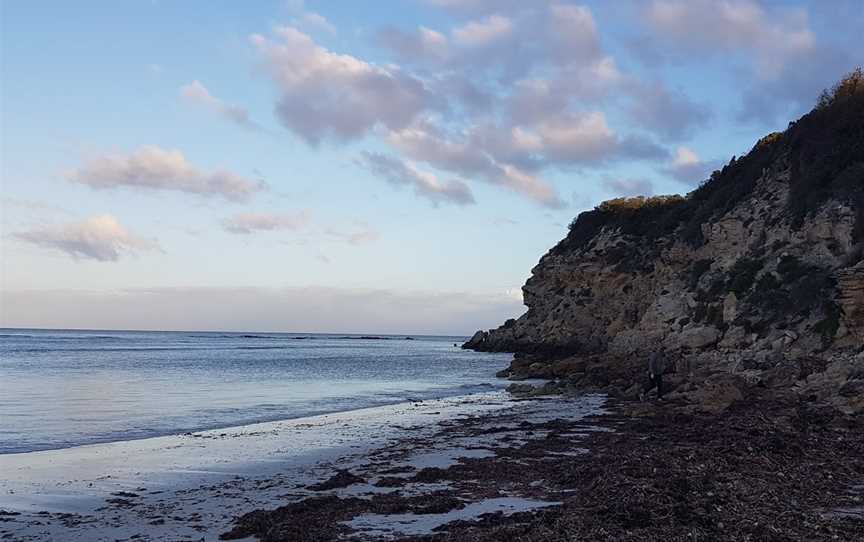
column 193, row 486
column 485, row 467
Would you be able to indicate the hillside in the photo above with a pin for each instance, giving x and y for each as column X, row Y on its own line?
column 760, row 267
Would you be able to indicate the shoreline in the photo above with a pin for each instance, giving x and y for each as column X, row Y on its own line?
column 765, row 469
column 410, row 398
column 79, row 493
column 500, row 467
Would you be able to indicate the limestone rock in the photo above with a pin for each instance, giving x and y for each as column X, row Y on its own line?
column 757, row 267
column 698, row 337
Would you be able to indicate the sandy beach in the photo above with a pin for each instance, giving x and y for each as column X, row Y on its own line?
column 193, row 486
column 487, row 467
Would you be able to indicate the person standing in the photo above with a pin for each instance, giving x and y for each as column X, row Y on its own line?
column 656, row 368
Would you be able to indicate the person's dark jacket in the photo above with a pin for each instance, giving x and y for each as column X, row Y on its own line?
column 656, row 363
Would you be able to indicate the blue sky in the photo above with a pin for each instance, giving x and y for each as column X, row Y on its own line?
column 393, row 166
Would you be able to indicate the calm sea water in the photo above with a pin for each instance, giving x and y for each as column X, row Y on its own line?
column 63, row 388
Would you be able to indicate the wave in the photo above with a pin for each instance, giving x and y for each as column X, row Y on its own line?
column 145, row 349
column 261, row 413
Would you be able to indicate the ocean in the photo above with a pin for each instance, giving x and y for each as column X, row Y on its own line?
column 65, row 388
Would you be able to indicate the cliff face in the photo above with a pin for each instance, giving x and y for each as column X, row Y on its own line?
column 763, row 262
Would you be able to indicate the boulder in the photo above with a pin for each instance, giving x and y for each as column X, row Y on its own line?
column 698, row 337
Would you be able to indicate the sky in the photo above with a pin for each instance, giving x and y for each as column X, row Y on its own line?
column 396, row 166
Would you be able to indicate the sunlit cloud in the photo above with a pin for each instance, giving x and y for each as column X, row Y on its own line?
column 246, row 223
column 687, row 167
column 156, row 169
column 197, row 94
column 100, row 238
column 425, row 184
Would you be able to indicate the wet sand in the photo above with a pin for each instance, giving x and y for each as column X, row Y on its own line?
column 193, row 486
column 762, row 470
column 495, row 468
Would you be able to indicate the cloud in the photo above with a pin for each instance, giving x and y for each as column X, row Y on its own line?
column 197, row 94
column 629, row 186
column 315, row 22
column 780, row 62
column 688, row 168
column 479, row 7
column 246, row 223
column 310, row 309
column 775, row 38
column 303, row 18
column 99, row 238
column 153, row 168
column 300, row 221
column 667, row 113
column 483, row 32
column 324, row 95
column 361, row 235
column 7, row 203
column 423, row 45
column 505, row 94
column 426, row 144
column 573, row 36
column 425, row 184
column 540, row 98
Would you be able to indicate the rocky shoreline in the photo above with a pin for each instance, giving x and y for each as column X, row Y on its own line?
column 766, row 469
column 558, row 464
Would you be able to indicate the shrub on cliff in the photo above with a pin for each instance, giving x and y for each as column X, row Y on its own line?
column 825, row 150
column 851, row 85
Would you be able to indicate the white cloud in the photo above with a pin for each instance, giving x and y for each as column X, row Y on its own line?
column 687, row 167
column 153, row 168
column 324, row 95
column 246, row 223
column 422, row 45
column 776, row 56
column 99, row 237
column 572, row 34
column 315, row 22
column 424, row 143
column 197, row 94
column 502, row 96
column 775, row 38
column 483, row 32
column 667, row 113
column 361, row 234
column 425, row 184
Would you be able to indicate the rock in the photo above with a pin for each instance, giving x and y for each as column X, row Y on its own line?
column 734, row 337
column 477, row 340
column 342, row 478
column 730, row 307
column 717, row 393
column 698, row 337
column 520, row 389
column 743, row 283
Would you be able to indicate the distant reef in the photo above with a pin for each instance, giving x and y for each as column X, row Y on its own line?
column 757, row 275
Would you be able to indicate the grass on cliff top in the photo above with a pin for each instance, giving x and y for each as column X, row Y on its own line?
column 825, row 151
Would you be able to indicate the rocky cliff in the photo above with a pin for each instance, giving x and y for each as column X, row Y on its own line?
column 759, row 265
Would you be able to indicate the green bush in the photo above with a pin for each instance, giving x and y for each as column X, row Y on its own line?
column 824, row 150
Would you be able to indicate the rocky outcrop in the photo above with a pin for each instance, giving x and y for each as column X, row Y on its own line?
column 850, row 287
column 761, row 265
